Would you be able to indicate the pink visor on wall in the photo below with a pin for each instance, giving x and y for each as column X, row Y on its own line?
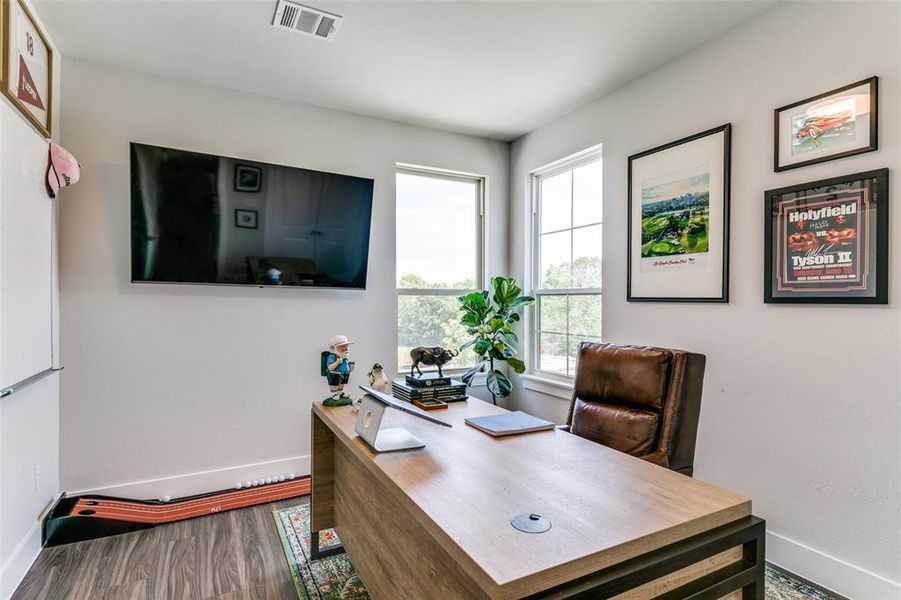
column 62, row 171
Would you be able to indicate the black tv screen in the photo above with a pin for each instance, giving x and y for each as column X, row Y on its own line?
column 199, row 218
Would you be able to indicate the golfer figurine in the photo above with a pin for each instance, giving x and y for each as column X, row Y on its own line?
column 336, row 367
column 377, row 379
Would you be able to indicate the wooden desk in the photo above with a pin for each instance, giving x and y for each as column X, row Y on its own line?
column 435, row 523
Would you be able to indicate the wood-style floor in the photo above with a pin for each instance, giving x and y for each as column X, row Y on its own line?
column 235, row 555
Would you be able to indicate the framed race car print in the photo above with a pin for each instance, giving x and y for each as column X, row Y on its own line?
column 832, row 125
column 827, row 241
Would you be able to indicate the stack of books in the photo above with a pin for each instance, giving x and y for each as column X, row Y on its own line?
column 444, row 389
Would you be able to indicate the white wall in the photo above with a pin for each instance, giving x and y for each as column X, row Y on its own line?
column 165, row 380
column 29, row 432
column 29, row 418
column 802, row 404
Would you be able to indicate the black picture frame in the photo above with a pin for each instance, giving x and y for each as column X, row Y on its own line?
column 873, row 203
column 252, row 217
column 248, row 178
column 722, row 296
column 873, row 129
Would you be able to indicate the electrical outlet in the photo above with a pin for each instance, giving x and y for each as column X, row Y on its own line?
column 37, row 476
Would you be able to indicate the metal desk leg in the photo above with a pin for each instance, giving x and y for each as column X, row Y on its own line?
column 316, row 553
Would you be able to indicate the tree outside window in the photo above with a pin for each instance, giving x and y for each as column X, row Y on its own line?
column 439, row 257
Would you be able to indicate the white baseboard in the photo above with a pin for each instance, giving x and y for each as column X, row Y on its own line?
column 14, row 569
column 827, row 571
column 200, row 482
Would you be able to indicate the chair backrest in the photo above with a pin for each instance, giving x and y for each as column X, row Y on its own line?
column 644, row 401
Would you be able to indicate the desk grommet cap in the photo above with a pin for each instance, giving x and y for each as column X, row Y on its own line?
column 530, row 523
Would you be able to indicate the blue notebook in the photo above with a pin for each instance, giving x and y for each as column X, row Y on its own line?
column 509, row 423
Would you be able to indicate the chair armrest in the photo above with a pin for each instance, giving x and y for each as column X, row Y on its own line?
column 657, row 457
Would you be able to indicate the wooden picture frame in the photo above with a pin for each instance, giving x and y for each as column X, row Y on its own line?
column 248, row 178
column 27, row 82
column 678, row 220
column 246, row 219
column 828, row 241
column 836, row 124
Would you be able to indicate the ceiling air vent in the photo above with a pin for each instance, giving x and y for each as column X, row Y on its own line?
column 303, row 19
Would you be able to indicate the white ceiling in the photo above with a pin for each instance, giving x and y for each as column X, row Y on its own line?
column 496, row 69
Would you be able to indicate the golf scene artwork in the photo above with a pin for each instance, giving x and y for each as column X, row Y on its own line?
column 836, row 124
column 675, row 221
column 679, row 220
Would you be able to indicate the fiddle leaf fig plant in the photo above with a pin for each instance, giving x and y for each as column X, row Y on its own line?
column 490, row 319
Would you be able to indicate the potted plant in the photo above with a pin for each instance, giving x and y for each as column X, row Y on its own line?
column 490, row 319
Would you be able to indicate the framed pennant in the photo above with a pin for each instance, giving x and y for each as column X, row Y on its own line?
column 27, row 65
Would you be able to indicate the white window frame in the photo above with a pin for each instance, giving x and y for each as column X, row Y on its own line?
column 550, row 382
column 481, row 225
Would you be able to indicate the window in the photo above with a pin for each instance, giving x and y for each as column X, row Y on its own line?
column 566, row 257
column 439, row 257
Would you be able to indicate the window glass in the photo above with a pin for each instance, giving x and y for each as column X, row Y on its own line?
column 552, row 355
column 556, row 194
column 556, row 268
column 588, row 206
column 552, row 314
column 568, row 248
column 430, row 321
column 587, row 246
column 439, row 253
column 437, row 231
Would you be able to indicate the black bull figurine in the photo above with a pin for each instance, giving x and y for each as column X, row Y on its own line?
column 436, row 356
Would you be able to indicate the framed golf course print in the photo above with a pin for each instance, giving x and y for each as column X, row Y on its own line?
column 832, row 125
column 679, row 220
column 27, row 65
column 827, row 241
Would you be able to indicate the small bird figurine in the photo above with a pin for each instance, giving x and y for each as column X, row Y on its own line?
column 377, row 379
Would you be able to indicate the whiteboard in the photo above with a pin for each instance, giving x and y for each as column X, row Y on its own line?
column 26, row 247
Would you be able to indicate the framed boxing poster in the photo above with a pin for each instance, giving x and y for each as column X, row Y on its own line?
column 827, row 241
column 678, row 214
column 27, row 65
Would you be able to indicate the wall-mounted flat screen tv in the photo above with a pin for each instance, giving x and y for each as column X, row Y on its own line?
column 199, row 218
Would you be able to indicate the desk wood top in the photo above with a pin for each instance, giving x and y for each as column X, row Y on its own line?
column 605, row 507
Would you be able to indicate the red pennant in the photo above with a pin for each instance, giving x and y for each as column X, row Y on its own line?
column 28, row 91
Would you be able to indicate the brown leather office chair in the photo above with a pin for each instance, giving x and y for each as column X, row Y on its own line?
column 643, row 401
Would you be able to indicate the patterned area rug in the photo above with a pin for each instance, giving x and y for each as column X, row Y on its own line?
column 782, row 586
column 334, row 577
column 328, row 578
